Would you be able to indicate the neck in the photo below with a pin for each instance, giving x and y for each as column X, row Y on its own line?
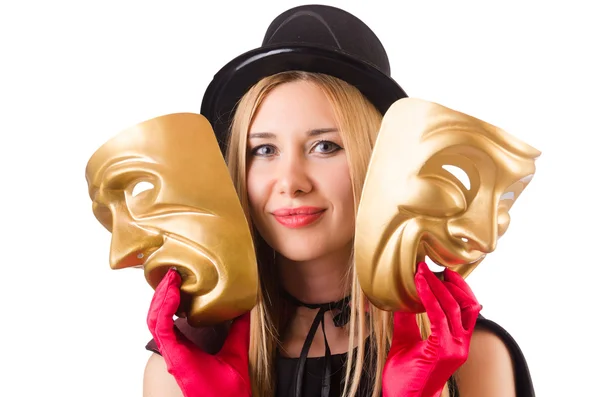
column 320, row 280
column 317, row 281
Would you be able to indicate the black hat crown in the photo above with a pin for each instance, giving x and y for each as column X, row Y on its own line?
column 311, row 38
column 330, row 28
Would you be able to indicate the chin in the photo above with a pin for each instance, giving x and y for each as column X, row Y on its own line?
column 309, row 243
column 298, row 256
column 309, row 247
column 301, row 250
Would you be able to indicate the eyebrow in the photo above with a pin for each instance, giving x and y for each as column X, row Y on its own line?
column 270, row 135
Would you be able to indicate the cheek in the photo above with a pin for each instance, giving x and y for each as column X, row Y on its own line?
column 503, row 222
column 432, row 197
column 253, row 188
column 257, row 185
column 338, row 187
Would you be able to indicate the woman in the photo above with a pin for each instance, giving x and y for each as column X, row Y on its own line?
column 297, row 118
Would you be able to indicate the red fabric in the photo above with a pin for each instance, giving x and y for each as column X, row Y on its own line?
column 420, row 368
column 197, row 372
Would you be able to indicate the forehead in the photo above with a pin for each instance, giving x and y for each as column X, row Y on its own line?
column 292, row 107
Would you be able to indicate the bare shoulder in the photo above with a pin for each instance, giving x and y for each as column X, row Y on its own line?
column 158, row 382
column 488, row 370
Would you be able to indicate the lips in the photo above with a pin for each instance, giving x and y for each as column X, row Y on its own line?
column 297, row 211
column 298, row 217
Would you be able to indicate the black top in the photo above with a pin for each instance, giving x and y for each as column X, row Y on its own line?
column 313, row 375
column 210, row 340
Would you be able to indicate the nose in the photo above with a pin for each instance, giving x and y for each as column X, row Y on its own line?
column 477, row 227
column 130, row 244
column 293, row 176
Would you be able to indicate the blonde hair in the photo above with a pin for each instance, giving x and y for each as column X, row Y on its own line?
column 358, row 121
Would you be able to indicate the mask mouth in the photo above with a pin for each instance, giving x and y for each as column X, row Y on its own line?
column 434, row 267
column 448, row 255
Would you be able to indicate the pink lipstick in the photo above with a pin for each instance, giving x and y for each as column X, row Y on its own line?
column 294, row 218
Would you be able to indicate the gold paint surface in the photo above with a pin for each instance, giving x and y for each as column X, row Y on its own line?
column 440, row 184
column 163, row 190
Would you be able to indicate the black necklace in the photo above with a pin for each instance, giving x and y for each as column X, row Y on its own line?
column 340, row 319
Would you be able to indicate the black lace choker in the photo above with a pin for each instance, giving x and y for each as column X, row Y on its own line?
column 340, row 319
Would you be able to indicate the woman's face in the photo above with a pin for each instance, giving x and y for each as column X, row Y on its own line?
column 298, row 177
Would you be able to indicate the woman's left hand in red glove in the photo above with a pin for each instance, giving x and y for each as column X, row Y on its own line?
column 421, row 368
column 198, row 373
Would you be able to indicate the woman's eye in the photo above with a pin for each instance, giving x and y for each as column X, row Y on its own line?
column 326, row 147
column 263, row 150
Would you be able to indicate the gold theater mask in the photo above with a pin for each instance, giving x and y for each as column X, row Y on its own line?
column 163, row 190
column 440, row 184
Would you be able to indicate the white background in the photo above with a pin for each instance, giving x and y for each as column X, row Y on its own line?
column 74, row 74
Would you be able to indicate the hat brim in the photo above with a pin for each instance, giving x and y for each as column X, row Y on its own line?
column 238, row 76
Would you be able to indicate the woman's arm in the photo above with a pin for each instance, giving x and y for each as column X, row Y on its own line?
column 488, row 370
column 158, row 382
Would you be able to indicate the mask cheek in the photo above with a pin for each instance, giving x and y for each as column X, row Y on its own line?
column 434, row 197
column 503, row 222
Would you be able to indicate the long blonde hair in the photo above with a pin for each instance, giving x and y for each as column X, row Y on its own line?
column 358, row 121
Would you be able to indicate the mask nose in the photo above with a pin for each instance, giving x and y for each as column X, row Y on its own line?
column 130, row 244
column 477, row 227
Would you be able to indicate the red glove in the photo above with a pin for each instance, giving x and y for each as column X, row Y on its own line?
column 421, row 368
column 199, row 373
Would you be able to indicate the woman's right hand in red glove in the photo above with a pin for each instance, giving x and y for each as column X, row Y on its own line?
column 198, row 373
column 421, row 368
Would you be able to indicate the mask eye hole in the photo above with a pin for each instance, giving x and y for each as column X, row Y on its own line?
column 141, row 187
column 459, row 174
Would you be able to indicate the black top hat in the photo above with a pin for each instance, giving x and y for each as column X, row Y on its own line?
column 312, row 38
